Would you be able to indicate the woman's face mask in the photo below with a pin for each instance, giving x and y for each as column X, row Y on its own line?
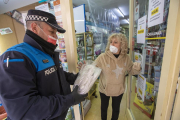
column 50, row 39
column 113, row 49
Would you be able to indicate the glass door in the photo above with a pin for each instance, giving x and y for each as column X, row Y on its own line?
column 149, row 41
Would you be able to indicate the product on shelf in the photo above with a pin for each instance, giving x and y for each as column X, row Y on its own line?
column 85, row 46
column 157, row 74
column 63, row 58
column 97, row 49
column 65, row 67
column 89, row 41
column 89, row 51
column 80, row 50
column 80, row 41
column 61, row 44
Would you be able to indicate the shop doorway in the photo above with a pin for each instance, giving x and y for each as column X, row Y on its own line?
column 151, row 44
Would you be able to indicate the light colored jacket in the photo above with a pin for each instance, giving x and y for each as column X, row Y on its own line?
column 112, row 77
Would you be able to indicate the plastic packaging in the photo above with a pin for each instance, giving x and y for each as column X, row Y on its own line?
column 100, row 17
column 87, row 77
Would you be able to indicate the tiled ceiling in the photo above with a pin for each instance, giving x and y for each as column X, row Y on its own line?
column 107, row 4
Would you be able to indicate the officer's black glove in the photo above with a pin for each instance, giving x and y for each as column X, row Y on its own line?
column 78, row 97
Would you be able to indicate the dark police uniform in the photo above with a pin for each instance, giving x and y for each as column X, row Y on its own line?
column 37, row 86
column 33, row 85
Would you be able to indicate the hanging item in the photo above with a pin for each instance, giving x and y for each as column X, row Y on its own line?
column 88, row 40
column 136, row 13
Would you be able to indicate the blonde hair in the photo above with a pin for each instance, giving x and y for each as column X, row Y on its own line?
column 122, row 39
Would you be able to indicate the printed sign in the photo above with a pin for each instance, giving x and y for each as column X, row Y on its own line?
column 141, row 30
column 141, row 86
column 136, row 13
column 155, row 14
column 5, row 31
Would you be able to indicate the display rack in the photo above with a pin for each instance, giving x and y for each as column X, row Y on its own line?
column 85, row 46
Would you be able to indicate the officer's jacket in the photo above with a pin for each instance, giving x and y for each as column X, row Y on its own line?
column 33, row 85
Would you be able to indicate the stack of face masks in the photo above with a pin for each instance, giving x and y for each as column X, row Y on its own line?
column 87, row 77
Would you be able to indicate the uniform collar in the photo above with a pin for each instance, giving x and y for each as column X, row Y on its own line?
column 32, row 42
column 39, row 43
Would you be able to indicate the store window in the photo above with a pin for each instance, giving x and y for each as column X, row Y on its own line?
column 98, row 19
column 150, row 24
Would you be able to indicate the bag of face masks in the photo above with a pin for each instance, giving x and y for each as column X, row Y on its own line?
column 87, row 77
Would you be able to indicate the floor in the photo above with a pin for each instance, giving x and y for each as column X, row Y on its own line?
column 95, row 114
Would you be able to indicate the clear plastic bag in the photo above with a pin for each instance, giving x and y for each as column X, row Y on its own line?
column 87, row 77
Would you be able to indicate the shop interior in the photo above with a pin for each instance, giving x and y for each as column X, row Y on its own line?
column 94, row 21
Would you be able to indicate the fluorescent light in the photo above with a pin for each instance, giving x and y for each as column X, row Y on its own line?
column 120, row 12
column 127, row 21
column 78, row 20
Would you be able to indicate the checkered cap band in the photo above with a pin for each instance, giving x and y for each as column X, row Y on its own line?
column 36, row 18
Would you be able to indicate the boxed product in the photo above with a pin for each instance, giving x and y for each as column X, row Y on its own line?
column 157, row 72
column 147, row 106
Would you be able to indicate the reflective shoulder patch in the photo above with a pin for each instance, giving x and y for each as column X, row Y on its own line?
column 14, row 60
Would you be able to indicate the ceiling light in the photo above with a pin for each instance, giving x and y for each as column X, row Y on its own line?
column 127, row 21
column 120, row 12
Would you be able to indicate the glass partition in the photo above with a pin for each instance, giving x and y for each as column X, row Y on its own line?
column 150, row 20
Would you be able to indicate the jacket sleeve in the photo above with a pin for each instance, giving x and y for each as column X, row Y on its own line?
column 133, row 68
column 70, row 77
column 19, row 94
column 97, row 62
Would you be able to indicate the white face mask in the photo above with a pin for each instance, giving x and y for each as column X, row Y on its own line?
column 113, row 49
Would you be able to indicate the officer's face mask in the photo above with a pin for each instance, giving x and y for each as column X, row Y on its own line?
column 50, row 39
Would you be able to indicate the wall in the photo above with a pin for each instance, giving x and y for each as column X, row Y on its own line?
column 20, row 31
column 17, row 36
column 8, row 40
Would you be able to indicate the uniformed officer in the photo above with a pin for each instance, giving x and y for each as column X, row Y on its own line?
column 33, row 85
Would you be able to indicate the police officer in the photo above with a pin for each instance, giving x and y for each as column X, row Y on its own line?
column 33, row 85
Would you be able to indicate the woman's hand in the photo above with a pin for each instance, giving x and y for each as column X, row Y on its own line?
column 137, row 66
column 80, row 64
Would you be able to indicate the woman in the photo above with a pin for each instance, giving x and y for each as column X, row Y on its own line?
column 115, row 64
